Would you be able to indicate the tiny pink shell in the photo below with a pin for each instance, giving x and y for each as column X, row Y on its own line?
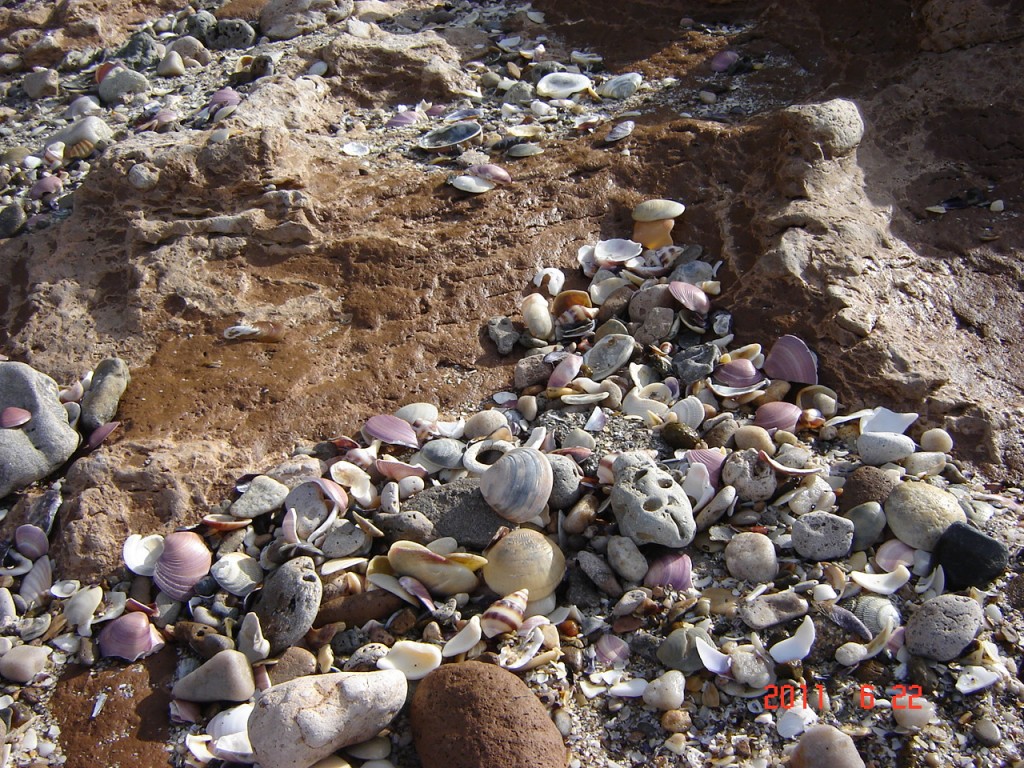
column 31, row 541
column 490, row 172
column 399, row 470
column 404, row 119
column 333, row 491
column 13, row 416
column 711, row 459
column 778, row 415
column 417, row 589
column 391, row 430
column 130, row 636
column 738, row 373
column 791, row 360
column 892, row 554
column 101, row 433
column 690, row 296
column 565, row 371
column 48, row 185
column 612, row 649
column 225, row 97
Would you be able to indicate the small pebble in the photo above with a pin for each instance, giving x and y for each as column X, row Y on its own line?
column 757, row 438
column 666, row 692
column 626, row 558
column 876, row 448
column 868, row 523
column 23, row 662
column 822, row 536
column 969, row 558
column 263, row 495
column 987, row 733
column 943, row 627
column 225, row 677
column 751, row 476
column 825, row 745
column 937, row 440
column 751, row 557
column 867, row 484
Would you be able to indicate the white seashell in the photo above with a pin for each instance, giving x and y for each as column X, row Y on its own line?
column 441, row 575
column 616, row 251
column 651, row 411
column 629, row 689
column 882, row 583
column 973, row 679
column 713, row 659
column 465, row 640
column 883, row 420
column 65, row 588
column 233, row 720
column 517, row 486
column 620, row 131
column 472, row 184
column 537, row 316
column 357, row 481
column 389, row 583
column 851, row 654
column 620, row 86
column 355, row 149
column 600, row 290
column 561, row 85
column 796, row 647
column 822, row 592
column 794, row 721
column 584, row 399
column 79, row 610
column 35, row 586
column 114, row 605
column 690, row 411
column 524, row 559
column 237, row 573
column 697, row 485
column 554, row 277
column 894, row 553
column 471, row 460
column 198, row 746
column 412, row 659
column 250, row 641
column 140, row 553
column 522, row 651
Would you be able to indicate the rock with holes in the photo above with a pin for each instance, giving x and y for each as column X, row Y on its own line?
column 650, row 507
column 289, row 602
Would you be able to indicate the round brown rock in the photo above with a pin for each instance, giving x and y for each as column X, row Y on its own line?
column 866, row 484
column 823, row 745
column 475, row 715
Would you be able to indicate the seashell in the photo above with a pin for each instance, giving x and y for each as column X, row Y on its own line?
column 46, row 187
column 566, row 300
column 795, row 720
column 13, row 417
column 585, row 58
column 697, row 486
column 185, row 560
column 738, row 374
column 506, row 614
column 785, row 469
column 527, row 130
column 439, row 574
column 218, row 522
column 230, row 721
column 711, row 458
column 443, row 453
column 35, row 586
column 391, row 430
column 101, row 433
column 561, row 85
column 555, row 280
column 691, row 297
column 31, row 541
column 882, row 583
column 78, row 611
column 482, row 455
column 416, row 588
column 796, row 647
column 713, row 659
column 355, row 149
column 974, row 678
column 875, row 612
column 658, row 210
column 576, row 322
column 600, row 290
column 612, row 650
column 816, row 396
column 616, row 251
column 237, row 573
column 130, row 637
column 225, row 97
column 608, row 355
column 778, row 415
column 524, row 559
column 536, row 316
column 565, row 371
column 404, row 119
column 65, row 588
column 490, row 172
column 399, row 470
column 524, row 149
column 673, row 569
column 892, row 554
column 22, row 564
column 517, row 486
column 847, row 620
column 649, row 409
column 449, row 136
column 465, row 640
column 883, row 420
column 412, row 659
column 584, row 399
column 472, row 184
column 597, row 420
column 620, row 131
column 790, row 360
column 690, row 411
column 723, row 60
column 620, row 86
column 851, row 654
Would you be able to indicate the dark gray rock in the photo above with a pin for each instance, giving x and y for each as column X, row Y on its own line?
column 109, row 381
column 565, row 485
column 140, row 52
column 822, row 536
column 458, row 510
column 202, row 26
column 289, row 603
column 969, row 558
column 231, row 33
column 695, row 363
column 12, row 219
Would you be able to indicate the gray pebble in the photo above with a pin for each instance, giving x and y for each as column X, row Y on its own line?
column 656, row 327
column 289, row 602
column 752, row 477
column 868, row 523
column 565, row 485
column 768, row 610
column 751, row 557
column 201, row 26
column 120, row 84
column 407, row 525
column 263, row 495
column 647, row 299
column 597, row 571
column 679, row 651
column 12, row 219
column 919, row 513
column 109, row 381
column 877, row 448
column 943, row 627
column 457, row 509
column 531, row 370
column 720, row 433
column 650, row 507
column 503, row 333
column 143, row 177
column 231, row 33
column 987, row 733
column 225, row 677
column 627, row 559
column 39, row 85
column 520, row 93
column 140, row 52
column 822, row 536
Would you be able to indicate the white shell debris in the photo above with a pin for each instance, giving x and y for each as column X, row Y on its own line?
column 796, row 647
column 973, row 679
column 140, row 553
column 412, row 659
column 882, row 583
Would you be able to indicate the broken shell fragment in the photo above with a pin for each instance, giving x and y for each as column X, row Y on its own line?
column 80, row 608
column 517, row 486
column 237, row 573
column 130, row 637
column 13, row 417
column 796, row 647
column 391, row 430
column 882, row 583
column 412, row 659
column 465, row 640
column 140, row 553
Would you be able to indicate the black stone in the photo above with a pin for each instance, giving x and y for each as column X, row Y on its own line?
column 969, row 558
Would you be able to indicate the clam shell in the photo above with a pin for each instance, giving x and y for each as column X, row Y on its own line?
column 524, row 559
column 140, row 553
column 616, row 251
column 237, row 573
column 412, row 659
column 778, row 415
column 791, row 360
column 185, row 560
column 472, row 184
column 565, row 371
column 31, row 541
column 738, row 374
column 526, row 149
column 35, row 586
column 448, row 136
column 690, row 296
column 658, row 210
column 711, row 458
column 561, row 85
column 690, row 411
column 399, row 470
column 80, row 608
column 482, row 455
column 883, row 420
column 670, row 570
column 310, row 508
column 620, row 86
column 505, row 614
column 439, row 574
column 517, row 485
column 413, row 412
column 875, row 612
column 465, row 640
column 612, row 650
column 443, row 453
column 820, row 397
column 892, row 554
column 13, row 417
column 608, row 355
column 620, row 131
column 391, row 430
column 130, row 637
column 490, row 172
column 537, row 316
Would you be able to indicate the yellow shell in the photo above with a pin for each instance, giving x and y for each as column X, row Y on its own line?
column 524, row 559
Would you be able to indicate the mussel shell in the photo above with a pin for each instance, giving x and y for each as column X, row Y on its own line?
column 517, row 486
column 184, row 561
column 448, row 136
column 130, row 637
column 524, row 559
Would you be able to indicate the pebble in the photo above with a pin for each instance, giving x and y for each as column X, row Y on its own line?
column 531, row 370
column 12, row 219
column 231, row 33
column 867, row 484
column 355, row 610
column 297, row 723
column 225, row 677
column 503, row 333
column 23, row 662
column 936, row 440
column 751, row 476
column 868, row 523
column 650, row 507
column 289, row 603
column 294, row 663
column 822, row 536
column 598, row 571
column 458, row 509
column 471, row 715
column 626, row 558
column 679, row 649
column 565, row 485
column 943, row 627
column 657, row 326
column 751, row 668
column 264, row 495
column 877, row 448
column 140, row 52
column 987, row 733
column 768, row 610
column 120, row 84
column 969, row 558
column 825, row 745
column 171, row 65
column 755, row 438
column 41, row 83
column 646, row 299
column 109, row 381
column 751, row 557
column 836, row 126
column 143, row 177
column 667, row 691
column 919, row 513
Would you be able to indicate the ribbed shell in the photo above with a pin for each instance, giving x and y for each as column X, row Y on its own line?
column 130, row 637
column 524, row 559
column 875, row 610
column 518, row 485
column 506, row 614
column 184, row 561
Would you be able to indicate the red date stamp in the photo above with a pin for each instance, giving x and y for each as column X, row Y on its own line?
column 902, row 698
column 790, row 696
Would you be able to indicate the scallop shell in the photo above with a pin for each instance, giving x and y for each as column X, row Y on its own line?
column 561, row 85
column 524, row 559
column 412, row 659
column 441, row 575
column 185, row 560
column 449, row 136
column 517, row 486
column 620, row 86
column 778, row 415
column 506, row 614
column 130, row 637
column 612, row 650
column 465, row 640
column 791, row 360
column 690, row 411
column 31, row 541
column 237, row 573
column 875, row 612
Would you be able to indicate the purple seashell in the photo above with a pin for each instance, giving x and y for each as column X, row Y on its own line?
column 31, row 541
column 612, row 650
column 399, row 470
column 673, row 387
column 738, row 373
column 673, row 569
column 183, row 563
column 225, row 97
column 416, row 588
column 130, row 636
column 48, row 185
column 565, row 371
column 490, row 172
column 891, row 555
column 791, row 360
column 711, row 459
column 404, row 119
column 722, row 60
column 577, row 453
column 333, row 491
column 436, row 110
column 690, row 296
column 13, row 416
column 391, row 430
column 98, row 435
column 777, row 415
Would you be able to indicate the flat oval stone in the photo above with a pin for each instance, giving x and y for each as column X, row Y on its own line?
column 656, row 210
column 943, row 627
column 472, row 714
column 289, row 602
column 608, row 355
column 109, row 381
column 822, row 536
column 768, row 610
column 679, row 650
column 626, row 559
column 868, row 523
column 919, row 513
column 876, row 448
column 264, row 494
column 23, row 662
column 969, row 558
